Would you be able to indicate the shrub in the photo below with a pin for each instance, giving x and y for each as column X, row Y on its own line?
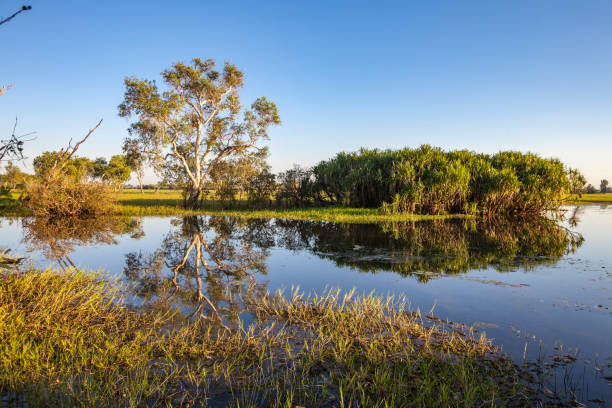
column 428, row 180
column 61, row 196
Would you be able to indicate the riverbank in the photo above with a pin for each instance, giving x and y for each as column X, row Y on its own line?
column 73, row 342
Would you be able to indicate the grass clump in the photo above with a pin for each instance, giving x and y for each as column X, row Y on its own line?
column 70, row 341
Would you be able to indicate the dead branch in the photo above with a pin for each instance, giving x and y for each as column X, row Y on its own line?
column 12, row 149
column 3, row 89
column 12, row 16
column 65, row 154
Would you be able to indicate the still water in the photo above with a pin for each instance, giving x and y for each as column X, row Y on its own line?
column 539, row 289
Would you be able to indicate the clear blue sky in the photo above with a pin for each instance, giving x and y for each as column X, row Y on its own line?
column 483, row 75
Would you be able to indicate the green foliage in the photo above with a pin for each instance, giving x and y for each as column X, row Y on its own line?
column 12, row 177
column 70, row 341
column 233, row 177
column 577, row 181
column 77, row 168
column 603, row 186
column 428, row 180
column 135, row 158
column 295, row 186
column 118, row 171
column 261, row 189
column 98, row 168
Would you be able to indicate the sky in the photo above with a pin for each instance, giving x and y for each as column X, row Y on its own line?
column 531, row 75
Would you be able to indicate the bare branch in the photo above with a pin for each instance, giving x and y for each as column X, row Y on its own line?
column 3, row 89
column 12, row 149
column 12, row 16
column 66, row 154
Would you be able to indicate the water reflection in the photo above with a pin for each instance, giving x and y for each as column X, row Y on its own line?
column 205, row 264
column 57, row 238
column 210, row 259
column 427, row 249
column 201, row 276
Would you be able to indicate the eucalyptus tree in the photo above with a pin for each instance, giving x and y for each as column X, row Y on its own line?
column 197, row 121
column 135, row 158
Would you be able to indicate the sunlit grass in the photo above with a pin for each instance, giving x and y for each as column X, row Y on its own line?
column 69, row 341
column 168, row 202
column 605, row 198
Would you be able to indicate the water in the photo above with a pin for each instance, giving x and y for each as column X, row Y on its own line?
column 539, row 289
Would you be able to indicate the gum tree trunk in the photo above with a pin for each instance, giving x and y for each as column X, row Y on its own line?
column 193, row 199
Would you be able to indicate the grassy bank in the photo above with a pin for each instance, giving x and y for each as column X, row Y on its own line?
column 591, row 199
column 70, row 342
column 168, row 202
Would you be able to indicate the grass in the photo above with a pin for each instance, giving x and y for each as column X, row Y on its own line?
column 70, row 341
column 605, row 198
column 168, row 202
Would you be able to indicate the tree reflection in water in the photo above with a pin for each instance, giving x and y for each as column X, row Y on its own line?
column 204, row 267
column 429, row 248
column 207, row 264
column 57, row 238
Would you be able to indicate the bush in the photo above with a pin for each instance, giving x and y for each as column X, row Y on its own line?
column 61, row 196
column 428, row 180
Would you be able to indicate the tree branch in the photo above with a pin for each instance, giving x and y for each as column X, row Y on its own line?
column 66, row 154
column 12, row 16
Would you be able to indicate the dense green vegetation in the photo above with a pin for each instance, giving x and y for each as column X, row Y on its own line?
column 72, row 342
column 428, row 180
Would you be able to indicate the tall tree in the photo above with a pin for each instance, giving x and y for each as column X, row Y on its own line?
column 135, row 158
column 198, row 120
column 603, row 186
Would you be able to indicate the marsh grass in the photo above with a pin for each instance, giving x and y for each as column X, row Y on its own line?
column 69, row 340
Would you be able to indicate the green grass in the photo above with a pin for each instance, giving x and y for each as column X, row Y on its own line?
column 168, row 202
column 605, row 198
column 69, row 341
